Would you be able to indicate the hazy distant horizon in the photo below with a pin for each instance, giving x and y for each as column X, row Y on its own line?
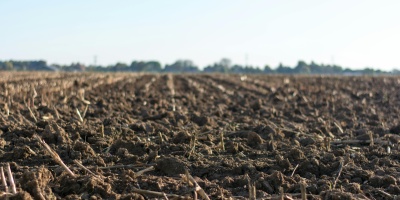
column 199, row 67
column 352, row 34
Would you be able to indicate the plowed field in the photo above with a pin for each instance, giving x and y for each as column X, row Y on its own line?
column 162, row 136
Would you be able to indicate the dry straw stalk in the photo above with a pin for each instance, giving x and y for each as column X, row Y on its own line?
column 54, row 155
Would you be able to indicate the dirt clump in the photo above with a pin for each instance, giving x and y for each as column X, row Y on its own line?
column 37, row 183
column 253, row 139
column 171, row 166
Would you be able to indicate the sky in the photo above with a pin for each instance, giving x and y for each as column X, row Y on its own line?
column 350, row 33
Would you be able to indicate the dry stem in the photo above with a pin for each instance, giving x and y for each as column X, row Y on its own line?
column 141, row 172
column 371, row 138
column 7, row 109
column 32, row 115
column 198, row 189
column 85, row 168
column 165, row 196
column 6, row 195
column 161, row 138
column 339, row 127
column 295, row 195
column 79, row 115
column 303, row 191
column 102, row 130
column 3, row 180
column 327, row 143
column 222, row 140
column 171, row 87
column 84, row 112
column 339, row 172
column 377, row 141
column 252, row 191
column 40, row 194
column 159, row 194
column 11, row 179
column 56, row 111
column 54, row 155
column 81, row 96
column 294, row 170
column 282, row 194
column 121, row 166
column 192, row 145
column 34, row 95
column 389, row 196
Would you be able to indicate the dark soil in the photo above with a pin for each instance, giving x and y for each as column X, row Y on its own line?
column 229, row 132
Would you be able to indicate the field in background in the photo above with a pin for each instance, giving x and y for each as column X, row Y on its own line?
column 137, row 136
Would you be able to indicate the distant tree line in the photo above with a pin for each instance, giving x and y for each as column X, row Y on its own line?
column 187, row 66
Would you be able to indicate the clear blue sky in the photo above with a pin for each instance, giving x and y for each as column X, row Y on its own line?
column 351, row 33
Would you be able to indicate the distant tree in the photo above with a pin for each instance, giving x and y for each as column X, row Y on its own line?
column 9, row 65
column 75, row 67
column 41, row 64
column 120, row 67
column 252, row 70
column 337, row 69
column 302, row 68
column 368, row 70
column 283, row 69
column 225, row 62
column 395, row 71
column 216, row 68
column 315, row 68
column 267, row 69
column 137, row 66
column 223, row 66
column 181, row 66
column 237, row 69
column 152, row 66
column 141, row 66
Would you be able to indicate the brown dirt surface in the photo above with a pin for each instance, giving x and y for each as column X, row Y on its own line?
column 141, row 136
